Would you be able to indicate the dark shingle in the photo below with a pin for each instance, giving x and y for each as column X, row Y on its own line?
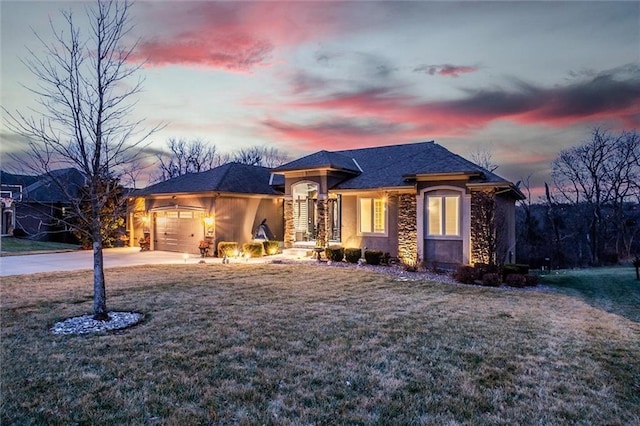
column 388, row 166
column 322, row 159
column 230, row 177
column 58, row 188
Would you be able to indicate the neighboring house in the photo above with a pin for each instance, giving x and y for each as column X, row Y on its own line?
column 38, row 204
column 412, row 201
column 223, row 204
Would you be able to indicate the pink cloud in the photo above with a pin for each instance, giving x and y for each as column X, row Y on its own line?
column 446, row 70
column 352, row 116
column 236, row 36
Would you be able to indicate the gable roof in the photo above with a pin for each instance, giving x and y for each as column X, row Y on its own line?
column 230, row 177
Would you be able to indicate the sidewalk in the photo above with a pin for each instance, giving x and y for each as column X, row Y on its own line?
column 114, row 257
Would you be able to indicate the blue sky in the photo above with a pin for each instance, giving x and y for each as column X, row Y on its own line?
column 521, row 80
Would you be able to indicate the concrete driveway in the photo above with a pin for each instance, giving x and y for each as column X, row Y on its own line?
column 83, row 259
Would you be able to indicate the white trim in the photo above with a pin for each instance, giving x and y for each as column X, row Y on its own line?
column 358, row 165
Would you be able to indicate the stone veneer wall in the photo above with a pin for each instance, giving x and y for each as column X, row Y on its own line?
column 321, row 222
column 289, row 228
column 407, row 228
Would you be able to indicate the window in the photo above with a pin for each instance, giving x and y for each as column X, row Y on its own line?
column 373, row 216
column 444, row 215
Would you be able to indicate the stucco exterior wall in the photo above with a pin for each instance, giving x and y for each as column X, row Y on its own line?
column 235, row 217
column 352, row 238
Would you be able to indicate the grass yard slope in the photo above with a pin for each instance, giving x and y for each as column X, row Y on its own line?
column 291, row 344
column 613, row 289
column 11, row 245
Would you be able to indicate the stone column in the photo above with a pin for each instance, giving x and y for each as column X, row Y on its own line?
column 289, row 228
column 321, row 223
column 407, row 228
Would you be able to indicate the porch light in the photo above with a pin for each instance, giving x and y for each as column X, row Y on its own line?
column 208, row 221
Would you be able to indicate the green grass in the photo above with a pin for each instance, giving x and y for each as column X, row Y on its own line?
column 295, row 344
column 613, row 289
column 20, row 245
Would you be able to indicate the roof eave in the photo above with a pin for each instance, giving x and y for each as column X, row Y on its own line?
column 426, row 177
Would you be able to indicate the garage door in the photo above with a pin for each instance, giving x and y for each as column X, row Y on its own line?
column 178, row 230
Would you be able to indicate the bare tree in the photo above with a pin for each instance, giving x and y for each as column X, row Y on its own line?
column 86, row 99
column 484, row 159
column 188, row 157
column 601, row 173
column 261, row 156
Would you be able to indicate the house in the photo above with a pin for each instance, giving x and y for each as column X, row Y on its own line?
column 222, row 204
column 412, row 201
column 33, row 206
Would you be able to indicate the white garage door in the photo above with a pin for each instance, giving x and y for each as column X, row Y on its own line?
column 179, row 231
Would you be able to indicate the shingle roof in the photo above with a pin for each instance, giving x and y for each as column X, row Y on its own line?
column 230, row 177
column 322, row 159
column 389, row 166
column 45, row 190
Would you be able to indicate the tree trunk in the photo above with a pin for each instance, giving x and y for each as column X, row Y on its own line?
column 99, row 293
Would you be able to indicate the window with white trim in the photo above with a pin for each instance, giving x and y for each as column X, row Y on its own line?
column 444, row 215
column 373, row 216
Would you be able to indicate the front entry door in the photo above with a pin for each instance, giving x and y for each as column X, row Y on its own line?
column 304, row 211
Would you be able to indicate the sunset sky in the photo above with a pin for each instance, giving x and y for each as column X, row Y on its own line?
column 519, row 80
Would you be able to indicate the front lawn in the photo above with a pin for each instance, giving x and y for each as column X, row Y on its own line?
column 296, row 344
column 21, row 245
column 613, row 289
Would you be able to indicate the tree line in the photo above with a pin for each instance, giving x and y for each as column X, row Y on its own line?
column 193, row 156
column 590, row 213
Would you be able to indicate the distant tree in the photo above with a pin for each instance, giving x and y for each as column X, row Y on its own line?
column 261, row 155
column 85, row 92
column 112, row 215
column 484, row 159
column 188, row 157
column 600, row 176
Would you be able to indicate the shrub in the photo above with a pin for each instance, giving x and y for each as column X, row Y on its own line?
column 466, row 274
column 19, row 233
column 491, row 280
column 271, row 247
column 514, row 268
column 227, row 248
column 531, row 280
column 352, row 255
column 334, row 254
column 516, row 280
column 372, row 257
column 253, row 249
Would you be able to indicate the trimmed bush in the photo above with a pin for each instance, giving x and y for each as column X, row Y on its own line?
column 334, row 254
column 531, row 280
column 271, row 247
column 253, row 249
column 373, row 257
column 227, row 248
column 466, row 274
column 352, row 255
column 491, row 280
column 516, row 280
column 514, row 268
